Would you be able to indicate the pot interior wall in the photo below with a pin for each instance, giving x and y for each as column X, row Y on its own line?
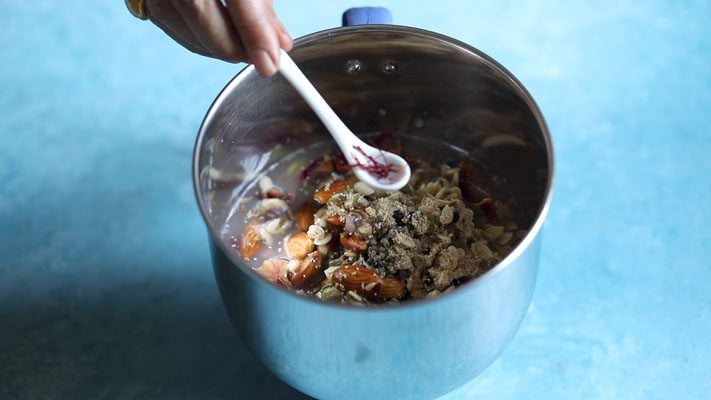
column 407, row 82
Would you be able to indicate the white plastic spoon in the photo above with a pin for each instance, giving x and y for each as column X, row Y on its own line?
column 379, row 169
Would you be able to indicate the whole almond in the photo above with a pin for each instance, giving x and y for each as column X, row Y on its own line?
column 328, row 190
column 306, row 274
column 367, row 283
column 391, row 288
column 299, row 245
column 354, row 277
column 353, row 243
column 305, row 216
column 250, row 240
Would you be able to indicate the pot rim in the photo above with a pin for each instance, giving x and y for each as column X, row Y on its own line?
column 414, row 303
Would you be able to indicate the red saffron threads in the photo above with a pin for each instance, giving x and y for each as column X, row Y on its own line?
column 379, row 169
column 375, row 167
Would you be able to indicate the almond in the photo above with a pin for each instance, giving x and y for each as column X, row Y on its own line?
column 306, row 274
column 392, row 288
column 299, row 245
column 273, row 269
column 353, row 243
column 337, row 186
column 354, row 277
column 305, row 216
column 250, row 240
column 326, row 166
column 367, row 283
column 335, row 220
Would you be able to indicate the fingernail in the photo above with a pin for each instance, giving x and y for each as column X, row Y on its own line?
column 264, row 63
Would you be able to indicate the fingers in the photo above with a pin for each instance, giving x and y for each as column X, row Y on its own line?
column 167, row 18
column 243, row 30
column 259, row 30
column 210, row 24
column 285, row 39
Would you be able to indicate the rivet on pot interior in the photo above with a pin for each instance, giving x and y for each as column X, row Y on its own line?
column 352, row 67
column 390, row 67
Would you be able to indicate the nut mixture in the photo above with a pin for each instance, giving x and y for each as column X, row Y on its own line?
column 353, row 245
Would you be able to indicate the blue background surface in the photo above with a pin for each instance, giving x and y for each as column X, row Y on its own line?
column 106, row 289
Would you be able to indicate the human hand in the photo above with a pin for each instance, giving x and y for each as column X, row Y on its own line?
column 234, row 30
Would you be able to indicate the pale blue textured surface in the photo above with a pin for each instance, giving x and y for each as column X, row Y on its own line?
column 106, row 289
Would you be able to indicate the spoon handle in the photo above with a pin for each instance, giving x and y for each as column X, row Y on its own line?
column 343, row 136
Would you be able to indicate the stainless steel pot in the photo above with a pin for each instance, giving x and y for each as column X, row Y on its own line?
column 378, row 77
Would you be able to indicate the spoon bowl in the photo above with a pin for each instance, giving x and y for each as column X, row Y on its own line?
column 379, row 169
